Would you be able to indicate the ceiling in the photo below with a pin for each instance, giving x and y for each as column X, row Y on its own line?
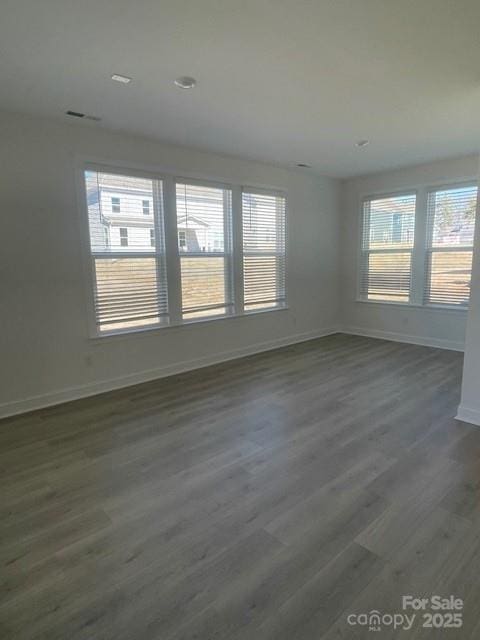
column 281, row 81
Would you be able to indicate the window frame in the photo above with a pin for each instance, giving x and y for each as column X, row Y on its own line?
column 183, row 241
column 91, row 256
column 360, row 297
column 420, row 247
column 172, row 254
column 279, row 194
column 124, row 236
column 227, row 255
column 117, row 205
column 430, row 250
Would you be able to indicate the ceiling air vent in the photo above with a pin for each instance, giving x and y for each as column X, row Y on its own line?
column 77, row 114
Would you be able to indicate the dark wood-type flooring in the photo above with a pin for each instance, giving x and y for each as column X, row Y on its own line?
column 266, row 498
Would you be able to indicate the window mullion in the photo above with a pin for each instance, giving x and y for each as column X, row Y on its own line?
column 227, row 253
column 419, row 251
column 237, row 250
column 174, row 278
column 159, row 239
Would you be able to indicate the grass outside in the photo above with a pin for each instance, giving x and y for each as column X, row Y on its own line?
column 450, row 275
column 127, row 293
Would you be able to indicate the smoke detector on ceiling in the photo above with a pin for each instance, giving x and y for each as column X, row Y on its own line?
column 122, row 79
column 185, row 82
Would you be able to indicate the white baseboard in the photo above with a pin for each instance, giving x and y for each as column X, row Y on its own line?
column 466, row 414
column 403, row 337
column 82, row 391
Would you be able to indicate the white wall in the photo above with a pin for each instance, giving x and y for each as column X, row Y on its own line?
column 46, row 355
column 469, row 409
column 445, row 328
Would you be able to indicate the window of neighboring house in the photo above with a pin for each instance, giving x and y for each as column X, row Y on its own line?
column 205, row 213
column 263, row 221
column 182, row 239
column 123, row 237
column 206, row 277
column 388, row 225
column 129, row 277
column 146, row 207
column 450, row 231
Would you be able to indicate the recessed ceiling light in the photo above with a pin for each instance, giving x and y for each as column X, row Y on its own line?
column 362, row 143
column 185, row 82
column 303, row 165
column 123, row 79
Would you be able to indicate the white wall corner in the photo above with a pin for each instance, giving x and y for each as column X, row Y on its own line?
column 469, row 410
column 465, row 414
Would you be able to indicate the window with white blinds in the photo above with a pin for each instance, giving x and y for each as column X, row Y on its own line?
column 388, row 225
column 130, row 285
column 167, row 251
column 204, row 217
column 263, row 223
column 450, row 231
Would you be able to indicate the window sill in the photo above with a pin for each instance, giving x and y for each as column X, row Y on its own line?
column 144, row 331
column 410, row 305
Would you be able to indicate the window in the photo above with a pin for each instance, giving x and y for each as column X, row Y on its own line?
column 204, row 251
column 123, row 237
column 450, row 229
column 263, row 223
column 386, row 248
column 129, row 276
column 182, row 239
column 204, row 242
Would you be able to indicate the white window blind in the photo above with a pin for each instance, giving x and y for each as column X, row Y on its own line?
column 451, row 225
column 263, row 223
column 204, row 219
column 130, row 285
column 166, row 250
column 386, row 248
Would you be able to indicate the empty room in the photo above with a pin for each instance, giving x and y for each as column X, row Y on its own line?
column 240, row 319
